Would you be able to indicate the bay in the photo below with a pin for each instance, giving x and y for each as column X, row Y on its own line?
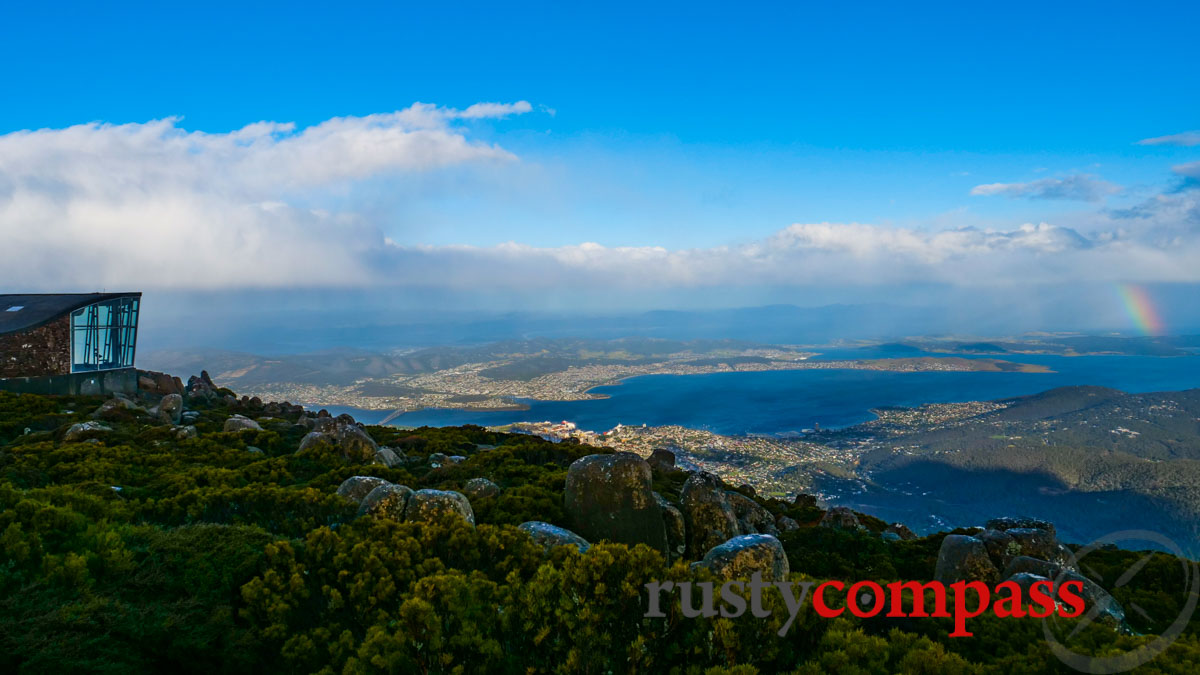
column 772, row 402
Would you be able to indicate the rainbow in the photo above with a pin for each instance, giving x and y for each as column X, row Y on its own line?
column 1141, row 309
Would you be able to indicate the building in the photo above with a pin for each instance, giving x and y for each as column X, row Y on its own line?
column 69, row 343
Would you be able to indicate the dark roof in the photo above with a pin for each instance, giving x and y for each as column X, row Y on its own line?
column 43, row 308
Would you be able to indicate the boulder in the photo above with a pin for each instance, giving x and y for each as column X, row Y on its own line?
column 186, row 432
column 751, row 516
column 480, row 487
column 159, row 384
column 355, row 444
column 902, row 532
column 786, row 524
column 661, row 460
column 388, row 457
column 1034, row 542
column 1096, row 600
column 240, row 423
column 550, row 536
column 170, row 409
column 428, row 505
column 1001, row 547
column 253, row 450
column 386, row 501
column 742, row 556
column 113, row 407
column 841, row 518
column 709, row 517
column 358, row 487
column 676, row 529
column 437, row 459
column 1008, row 523
column 609, row 496
column 314, row 438
column 79, row 431
column 964, row 558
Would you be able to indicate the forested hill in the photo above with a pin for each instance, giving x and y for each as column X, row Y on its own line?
column 198, row 532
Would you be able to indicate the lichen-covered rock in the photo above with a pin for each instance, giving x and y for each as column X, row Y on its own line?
column 841, row 518
column 1000, row 545
column 661, row 460
column 902, row 531
column 480, row 487
column 610, row 497
column 437, row 459
column 315, row 438
column 1034, row 541
column 428, row 505
column 170, row 409
column 1008, row 523
column 706, row 510
column 358, row 487
column 387, row 501
column 388, row 457
column 240, row 423
column 114, row 407
column 79, row 431
column 1095, row 599
column 786, row 523
column 742, row 556
column 550, row 536
column 964, row 558
column 355, row 444
column 751, row 516
column 676, row 528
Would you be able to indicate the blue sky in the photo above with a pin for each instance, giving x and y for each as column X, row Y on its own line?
column 685, row 128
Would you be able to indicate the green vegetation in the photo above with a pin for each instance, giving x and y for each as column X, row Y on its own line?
column 138, row 551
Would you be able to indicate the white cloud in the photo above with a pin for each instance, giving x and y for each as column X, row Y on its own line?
column 1189, row 170
column 1079, row 187
column 1187, row 139
column 154, row 206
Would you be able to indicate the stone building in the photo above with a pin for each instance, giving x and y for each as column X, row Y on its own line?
column 69, row 343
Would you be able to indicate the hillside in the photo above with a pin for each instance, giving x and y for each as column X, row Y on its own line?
column 1098, row 459
column 224, row 535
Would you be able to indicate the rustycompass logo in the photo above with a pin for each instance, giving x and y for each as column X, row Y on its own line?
column 1058, row 634
column 1068, row 596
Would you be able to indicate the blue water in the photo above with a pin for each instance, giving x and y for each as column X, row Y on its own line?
column 782, row 401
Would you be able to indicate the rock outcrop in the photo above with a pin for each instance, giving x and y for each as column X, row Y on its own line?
column 343, row 433
column 709, row 518
column 964, row 558
column 429, row 505
column 549, row 536
column 82, row 430
column 676, row 528
column 358, row 487
column 480, row 487
column 241, row 423
column 661, row 460
column 387, row 501
column 609, row 496
column 389, row 458
column 169, row 410
column 841, row 518
column 751, row 516
column 744, row 555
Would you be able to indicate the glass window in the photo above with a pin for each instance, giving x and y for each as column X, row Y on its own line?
column 104, row 335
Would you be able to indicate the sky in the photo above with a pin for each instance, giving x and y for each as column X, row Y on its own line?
column 609, row 157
